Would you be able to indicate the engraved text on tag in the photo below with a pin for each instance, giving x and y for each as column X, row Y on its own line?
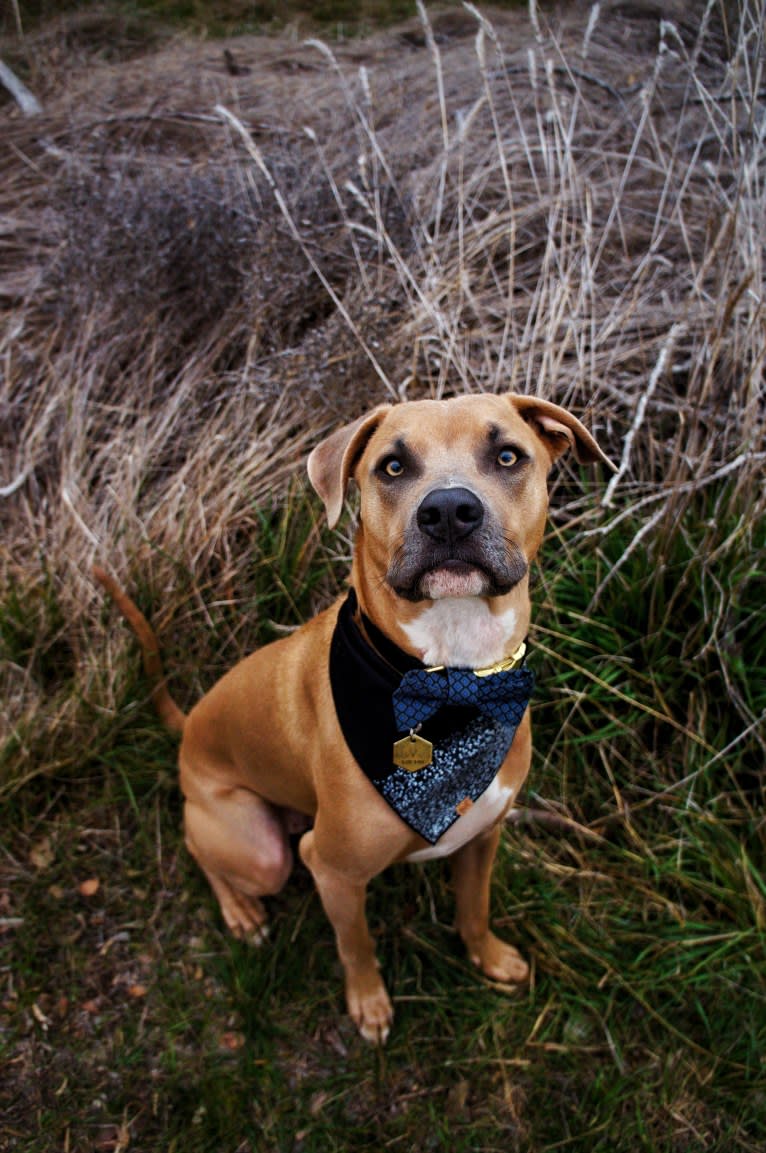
column 413, row 753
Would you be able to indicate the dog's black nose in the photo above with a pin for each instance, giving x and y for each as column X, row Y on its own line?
column 449, row 514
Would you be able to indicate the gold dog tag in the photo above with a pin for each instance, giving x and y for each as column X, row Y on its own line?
column 413, row 753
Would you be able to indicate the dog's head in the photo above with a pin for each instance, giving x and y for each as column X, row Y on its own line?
column 453, row 493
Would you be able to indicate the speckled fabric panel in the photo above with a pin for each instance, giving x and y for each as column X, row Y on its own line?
column 464, row 766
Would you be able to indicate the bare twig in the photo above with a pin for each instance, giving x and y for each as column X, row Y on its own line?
column 638, row 419
column 26, row 100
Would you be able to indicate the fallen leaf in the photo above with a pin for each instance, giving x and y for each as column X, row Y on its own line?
column 41, row 854
column 457, row 1099
column 112, row 1138
column 39, row 1016
column 318, row 1102
column 89, row 888
column 137, row 991
column 232, row 1041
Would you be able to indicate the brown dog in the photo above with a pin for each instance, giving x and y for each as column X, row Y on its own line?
column 453, row 509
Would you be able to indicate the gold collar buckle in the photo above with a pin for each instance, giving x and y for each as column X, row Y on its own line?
column 511, row 662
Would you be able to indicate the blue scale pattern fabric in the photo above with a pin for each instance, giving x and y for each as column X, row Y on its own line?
column 503, row 696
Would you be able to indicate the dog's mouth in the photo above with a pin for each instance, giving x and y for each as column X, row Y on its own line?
column 440, row 576
column 454, row 578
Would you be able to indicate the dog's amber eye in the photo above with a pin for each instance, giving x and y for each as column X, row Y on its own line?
column 393, row 467
column 507, row 457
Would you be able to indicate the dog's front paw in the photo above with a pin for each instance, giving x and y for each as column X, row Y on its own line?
column 498, row 961
column 370, row 1007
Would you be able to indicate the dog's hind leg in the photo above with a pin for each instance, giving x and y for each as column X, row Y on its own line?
column 240, row 843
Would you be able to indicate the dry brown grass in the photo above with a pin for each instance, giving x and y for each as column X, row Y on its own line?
column 573, row 209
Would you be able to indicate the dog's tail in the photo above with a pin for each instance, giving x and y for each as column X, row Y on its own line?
column 169, row 713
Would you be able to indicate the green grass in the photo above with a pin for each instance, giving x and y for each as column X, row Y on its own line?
column 130, row 1012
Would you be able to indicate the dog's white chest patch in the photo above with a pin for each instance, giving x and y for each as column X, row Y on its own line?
column 462, row 632
column 483, row 813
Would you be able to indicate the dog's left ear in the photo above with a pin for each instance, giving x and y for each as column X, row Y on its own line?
column 332, row 461
column 558, row 429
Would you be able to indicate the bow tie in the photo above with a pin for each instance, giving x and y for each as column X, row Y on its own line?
column 503, row 696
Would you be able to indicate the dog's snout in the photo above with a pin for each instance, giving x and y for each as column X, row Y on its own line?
column 449, row 514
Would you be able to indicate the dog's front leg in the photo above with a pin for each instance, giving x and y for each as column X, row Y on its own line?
column 343, row 898
column 472, row 872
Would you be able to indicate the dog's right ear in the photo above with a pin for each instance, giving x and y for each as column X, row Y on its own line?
column 332, row 461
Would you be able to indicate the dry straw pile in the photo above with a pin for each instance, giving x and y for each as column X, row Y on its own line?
column 203, row 272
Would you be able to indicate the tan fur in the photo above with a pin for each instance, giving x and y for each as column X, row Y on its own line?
column 264, row 744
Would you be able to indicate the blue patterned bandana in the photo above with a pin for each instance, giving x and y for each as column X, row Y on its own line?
column 382, row 694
